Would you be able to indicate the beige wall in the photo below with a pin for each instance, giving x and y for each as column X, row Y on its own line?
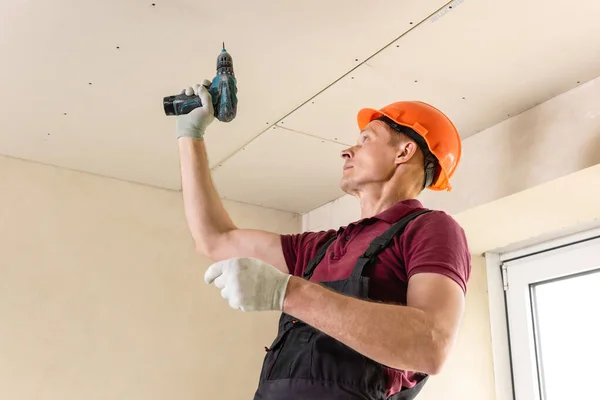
column 102, row 297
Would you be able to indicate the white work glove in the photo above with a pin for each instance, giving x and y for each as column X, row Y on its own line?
column 249, row 284
column 194, row 123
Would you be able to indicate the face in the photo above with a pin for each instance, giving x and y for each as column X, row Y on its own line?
column 372, row 159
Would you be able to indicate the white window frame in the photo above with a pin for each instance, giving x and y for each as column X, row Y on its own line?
column 498, row 269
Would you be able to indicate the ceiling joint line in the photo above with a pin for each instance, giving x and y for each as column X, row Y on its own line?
column 313, row 136
column 414, row 26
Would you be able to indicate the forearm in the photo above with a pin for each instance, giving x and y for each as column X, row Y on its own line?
column 396, row 336
column 206, row 216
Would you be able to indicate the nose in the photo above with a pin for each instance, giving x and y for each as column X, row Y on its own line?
column 347, row 153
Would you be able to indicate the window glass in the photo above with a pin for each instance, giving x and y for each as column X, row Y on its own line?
column 567, row 334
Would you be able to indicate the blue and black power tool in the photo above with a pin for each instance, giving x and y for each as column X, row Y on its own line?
column 223, row 90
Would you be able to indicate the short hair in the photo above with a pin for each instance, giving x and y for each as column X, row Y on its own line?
column 431, row 165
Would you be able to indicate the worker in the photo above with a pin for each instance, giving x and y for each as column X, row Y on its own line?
column 370, row 310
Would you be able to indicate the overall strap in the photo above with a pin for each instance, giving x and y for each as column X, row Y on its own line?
column 312, row 264
column 378, row 244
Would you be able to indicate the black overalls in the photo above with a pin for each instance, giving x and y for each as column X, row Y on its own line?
column 304, row 363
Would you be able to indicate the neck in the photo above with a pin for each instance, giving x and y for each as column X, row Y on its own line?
column 376, row 200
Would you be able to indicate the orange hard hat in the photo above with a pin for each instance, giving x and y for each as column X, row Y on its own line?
column 424, row 122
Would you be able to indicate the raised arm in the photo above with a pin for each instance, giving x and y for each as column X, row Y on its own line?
column 214, row 233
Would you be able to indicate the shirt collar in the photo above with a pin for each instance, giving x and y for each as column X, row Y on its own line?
column 399, row 210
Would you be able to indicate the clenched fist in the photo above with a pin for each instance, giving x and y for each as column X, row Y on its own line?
column 249, row 284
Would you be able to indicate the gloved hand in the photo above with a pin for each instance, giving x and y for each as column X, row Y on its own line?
column 194, row 123
column 249, row 284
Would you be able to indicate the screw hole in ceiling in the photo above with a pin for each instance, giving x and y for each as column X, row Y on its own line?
column 118, row 47
column 356, row 59
column 89, row 83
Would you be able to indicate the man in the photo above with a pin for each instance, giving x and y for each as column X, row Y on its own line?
column 371, row 310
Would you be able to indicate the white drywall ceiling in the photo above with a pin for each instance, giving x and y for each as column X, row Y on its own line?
column 83, row 81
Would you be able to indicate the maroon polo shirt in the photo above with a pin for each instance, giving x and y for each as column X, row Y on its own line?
column 433, row 242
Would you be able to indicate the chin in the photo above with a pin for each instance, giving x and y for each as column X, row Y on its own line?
column 344, row 185
column 347, row 186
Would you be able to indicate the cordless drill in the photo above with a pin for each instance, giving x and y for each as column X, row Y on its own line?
column 223, row 90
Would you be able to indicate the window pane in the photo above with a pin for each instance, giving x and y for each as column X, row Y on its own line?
column 567, row 314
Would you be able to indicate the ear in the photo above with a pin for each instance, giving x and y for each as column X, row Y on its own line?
column 406, row 151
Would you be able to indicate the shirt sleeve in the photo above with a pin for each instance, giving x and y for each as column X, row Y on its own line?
column 299, row 249
column 436, row 243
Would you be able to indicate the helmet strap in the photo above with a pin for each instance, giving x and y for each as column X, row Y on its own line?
column 430, row 169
